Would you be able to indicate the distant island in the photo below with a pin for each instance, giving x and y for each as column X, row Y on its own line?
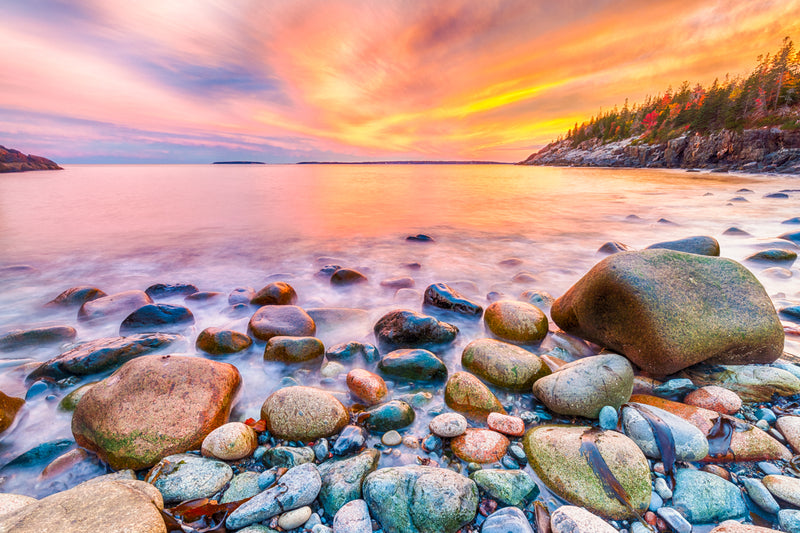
column 15, row 161
column 747, row 124
column 402, row 163
column 238, row 163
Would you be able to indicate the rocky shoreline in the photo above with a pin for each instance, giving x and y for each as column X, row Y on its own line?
column 756, row 150
column 653, row 395
column 15, row 161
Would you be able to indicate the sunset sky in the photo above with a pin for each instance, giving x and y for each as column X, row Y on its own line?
column 192, row 81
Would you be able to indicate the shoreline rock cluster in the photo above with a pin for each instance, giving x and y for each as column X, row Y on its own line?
column 667, row 403
column 757, row 150
column 15, row 161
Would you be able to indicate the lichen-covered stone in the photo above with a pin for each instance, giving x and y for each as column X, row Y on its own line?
column 503, row 365
column 468, row 395
column 517, row 322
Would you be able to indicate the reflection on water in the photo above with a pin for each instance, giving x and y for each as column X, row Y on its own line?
column 222, row 227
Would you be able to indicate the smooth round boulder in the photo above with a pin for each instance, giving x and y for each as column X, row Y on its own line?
column 294, row 518
column 366, row 386
column 413, row 364
column 18, row 339
column 353, row 517
column 113, row 306
column 509, row 487
column 407, row 329
column 571, row 519
column 349, row 350
column 479, row 445
column 230, row 442
column 667, row 310
column 184, row 476
column 705, row 498
column 466, row 394
column 585, row 386
column 293, row 349
column 167, row 290
column 503, row 364
column 76, row 296
column 715, row 398
column 422, row 499
column 281, row 320
column 343, row 277
column 219, row 341
column 303, row 413
column 342, row 479
column 107, row 505
column 517, row 322
column 395, row 414
column 122, row 418
column 277, row 293
column 441, row 296
column 556, row 455
column 157, row 318
column 448, row 425
column 700, row 245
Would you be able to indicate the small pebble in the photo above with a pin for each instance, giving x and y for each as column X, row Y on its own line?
column 518, row 453
column 448, row 425
column 432, row 443
column 294, row 518
column 675, row 520
column 766, row 415
column 655, row 501
column 608, row 417
column 763, row 425
column 717, row 471
column 410, row 441
column 509, row 425
column 769, row 468
column 662, row 489
column 267, row 478
column 321, row 449
column 391, row 438
column 509, row 463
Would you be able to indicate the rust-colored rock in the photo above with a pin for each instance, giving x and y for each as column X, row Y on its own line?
column 715, row 398
column 480, row 446
column 9, row 406
column 281, row 320
column 366, row 386
column 277, row 293
column 154, row 406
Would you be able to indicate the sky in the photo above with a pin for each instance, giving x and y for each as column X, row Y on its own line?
column 281, row 81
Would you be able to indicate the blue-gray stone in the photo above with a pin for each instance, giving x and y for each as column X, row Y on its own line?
column 674, row 387
column 507, row 520
column 287, row 456
column 637, row 527
column 662, row 489
column 655, row 501
column 763, row 425
column 242, row 486
column 420, row 499
column 510, row 487
column 760, row 495
column 690, row 442
column 296, row 488
column 518, row 453
column 608, row 417
column 350, row 440
column 346, row 351
column 789, row 367
column 509, row 463
column 321, row 449
column 769, row 468
column 789, row 520
column 766, row 415
column 705, row 498
column 675, row 520
column 353, row 517
column 183, row 476
column 342, row 479
column 267, row 478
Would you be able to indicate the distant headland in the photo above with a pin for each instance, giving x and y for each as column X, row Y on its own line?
column 238, row 163
column 402, row 163
column 15, row 161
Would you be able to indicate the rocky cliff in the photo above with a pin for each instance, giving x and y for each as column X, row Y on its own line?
column 757, row 150
column 15, row 161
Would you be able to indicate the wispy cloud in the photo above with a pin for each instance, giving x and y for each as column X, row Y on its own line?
column 310, row 79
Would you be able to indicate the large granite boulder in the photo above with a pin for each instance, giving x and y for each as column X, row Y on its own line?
column 103, row 354
column 420, row 499
column 122, row 505
column 667, row 310
column 154, row 406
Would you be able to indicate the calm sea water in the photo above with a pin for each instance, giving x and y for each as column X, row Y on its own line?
column 222, row 227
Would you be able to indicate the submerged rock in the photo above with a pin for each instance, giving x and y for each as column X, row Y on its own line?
column 555, row 454
column 413, row 364
column 303, row 413
column 113, row 306
column 420, row 499
column 167, row 290
column 773, row 256
column 517, row 322
column 277, row 293
column 395, row 414
column 76, row 296
column 218, row 341
column 441, row 296
column 157, row 318
column 701, row 245
column 343, row 277
column 407, row 329
column 9, row 407
column 468, row 395
column 103, row 354
column 346, row 352
column 503, row 365
column 18, row 339
column 123, row 417
column 293, row 349
column 585, row 386
column 667, row 310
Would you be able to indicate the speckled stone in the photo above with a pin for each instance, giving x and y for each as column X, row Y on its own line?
column 506, row 424
column 789, row 426
column 230, row 442
column 480, row 446
column 11, row 502
column 303, row 413
column 294, row 518
column 218, row 341
column 516, row 322
column 184, row 476
column 353, row 517
column 277, row 293
column 468, row 395
column 448, row 425
column 786, row 488
column 293, row 349
column 368, row 387
column 715, row 398
column 571, row 519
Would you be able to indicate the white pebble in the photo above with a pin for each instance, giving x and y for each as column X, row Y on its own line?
column 294, row 518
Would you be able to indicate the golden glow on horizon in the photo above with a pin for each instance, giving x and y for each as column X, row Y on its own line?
column 392, row 80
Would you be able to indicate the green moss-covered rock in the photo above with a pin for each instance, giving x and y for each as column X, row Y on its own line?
column 517, row 322
column 583, row 387
column 420, row 499
column 293, row 349
column 511, row 487
column 468, row 395
column 303, row 413
column 503, row 365
column 342, row 479
column 667, row 310
column 414, row 364
column 752, row 383
column 554, row 453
